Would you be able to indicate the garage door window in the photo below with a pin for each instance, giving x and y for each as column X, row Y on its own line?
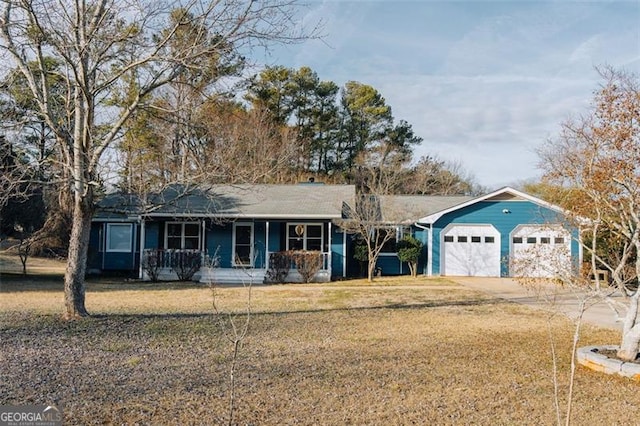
column 476, row 239
column 462, row 239
column 448, row 238
column 489, row 240
column 531, row 240
column 517, row 240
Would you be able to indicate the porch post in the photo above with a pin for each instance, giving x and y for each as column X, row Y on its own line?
column 330, row 250
column 266, row 245
column 142, row 238
column 344, row 253
column 203, row 233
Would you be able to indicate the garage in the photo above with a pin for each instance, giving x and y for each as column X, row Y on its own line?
column 541, row 251
column 471, row 250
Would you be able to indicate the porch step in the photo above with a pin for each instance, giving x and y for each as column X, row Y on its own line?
column 232, row 276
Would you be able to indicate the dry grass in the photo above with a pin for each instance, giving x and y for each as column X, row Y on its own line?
column 344, row 353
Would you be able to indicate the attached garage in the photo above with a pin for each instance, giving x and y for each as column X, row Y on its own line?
column 471, row 250
column 501, row 234
column 542, row 251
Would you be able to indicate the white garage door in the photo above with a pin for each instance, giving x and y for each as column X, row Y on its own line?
column 471, row 250
column 542, row 251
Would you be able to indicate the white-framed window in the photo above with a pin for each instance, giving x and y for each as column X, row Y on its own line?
column 119, row 237
column 243, row 244
column 182, row 235
column 305, row 236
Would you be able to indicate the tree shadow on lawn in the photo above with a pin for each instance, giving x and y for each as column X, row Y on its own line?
column 12, row 282
column 392, row 306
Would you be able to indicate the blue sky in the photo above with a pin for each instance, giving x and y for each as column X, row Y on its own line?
column 482, row 82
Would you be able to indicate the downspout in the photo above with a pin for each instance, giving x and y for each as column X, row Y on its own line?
column 429, row 266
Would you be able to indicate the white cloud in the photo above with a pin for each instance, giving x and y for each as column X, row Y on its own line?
column 483, row 82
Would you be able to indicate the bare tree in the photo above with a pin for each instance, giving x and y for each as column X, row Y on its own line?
column 101, row 45
column 596, row 163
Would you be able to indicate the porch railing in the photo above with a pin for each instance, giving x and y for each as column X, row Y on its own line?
column 326, row 261
column 168, row 258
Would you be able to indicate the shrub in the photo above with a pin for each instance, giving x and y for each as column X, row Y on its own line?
column 151, row 264
column 409, row 249
column 186, row 263
column 279, row 265
column 308, row 263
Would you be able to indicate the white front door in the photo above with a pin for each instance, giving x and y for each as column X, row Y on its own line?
column 470, row 250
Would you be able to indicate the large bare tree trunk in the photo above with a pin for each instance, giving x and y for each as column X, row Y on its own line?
column 74, row 287
column 630, row 344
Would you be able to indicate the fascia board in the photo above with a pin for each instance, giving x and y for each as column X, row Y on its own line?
column 244, row 216
column 432, row 218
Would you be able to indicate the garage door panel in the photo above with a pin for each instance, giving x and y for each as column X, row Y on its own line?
column 542, row 251
column 471, row 250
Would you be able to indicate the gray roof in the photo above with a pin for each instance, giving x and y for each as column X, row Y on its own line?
column 301, row 201
column 409, row 208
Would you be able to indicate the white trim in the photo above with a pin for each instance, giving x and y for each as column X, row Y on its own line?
column 425, row 269
column 344, row 253
column 182, row 235
column 108, row 237
column 203, row 236
column 432, row 218
column 304, row 235
column 243, row 216
column 142, row 238
column 266, row 245
column 233, row 246
column 329, row 248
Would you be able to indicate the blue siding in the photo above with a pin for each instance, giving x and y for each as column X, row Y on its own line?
column 337, row 252
column 421, row 235
column 391, row 265
column 275, row 229
column 219, row 241
column 99, row 259
column 259, row 243
column 152, row 235
column 491, row 212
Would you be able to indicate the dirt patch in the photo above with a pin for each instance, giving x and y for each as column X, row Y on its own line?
column 614, row 355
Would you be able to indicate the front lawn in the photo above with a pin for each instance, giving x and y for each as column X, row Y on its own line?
column 344, row 353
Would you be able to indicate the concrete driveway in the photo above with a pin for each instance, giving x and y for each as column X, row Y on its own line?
column 551, row 297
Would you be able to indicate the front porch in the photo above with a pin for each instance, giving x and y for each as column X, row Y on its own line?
column 198, row 265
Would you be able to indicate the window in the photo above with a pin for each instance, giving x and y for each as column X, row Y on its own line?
column 182, row 235
column 302, row 236
column 476, row 239
column 545, row 240
column 531, row 240
column 391, row 245
column 119, row 237
column 242, row 244
column 448, row 238
column 462, row 239
column 558, row 240
column 489, row 239
column 517, row 240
